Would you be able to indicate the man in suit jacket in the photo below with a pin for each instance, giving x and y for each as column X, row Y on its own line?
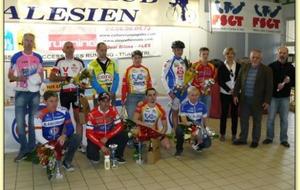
column 254, row 87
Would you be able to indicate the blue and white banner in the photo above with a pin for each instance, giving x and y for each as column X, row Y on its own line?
column 121, row 40
column 132, row 12
column 246, row 16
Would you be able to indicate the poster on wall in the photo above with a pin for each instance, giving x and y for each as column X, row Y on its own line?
column 128, row 12
column 121, row 40
column 246, row 16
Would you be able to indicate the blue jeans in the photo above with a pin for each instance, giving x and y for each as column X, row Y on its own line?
column 280, row 105
column 131, row 102
column 207, row 101
column 26, row 102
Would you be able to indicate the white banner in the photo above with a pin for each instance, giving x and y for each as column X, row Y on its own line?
column 121, row 40
column 246, row 16
column 129, row 12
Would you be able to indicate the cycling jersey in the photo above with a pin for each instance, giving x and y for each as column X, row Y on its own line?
column 25, row 65
column 173, row 76
column 150, row 115
column 203, row 72
column 51, row 125
column 136, row 81
column 102, row 124
column 193, row 112
column 104, row 81
column 68, row 68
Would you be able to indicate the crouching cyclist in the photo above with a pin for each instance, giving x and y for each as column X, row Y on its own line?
column 193, row 112
column 54, row 127
column 104, row 128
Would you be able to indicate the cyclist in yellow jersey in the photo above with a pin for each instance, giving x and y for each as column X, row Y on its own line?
column 105, row 75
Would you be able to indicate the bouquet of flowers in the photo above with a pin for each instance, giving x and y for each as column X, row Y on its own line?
column 46, row 155
column 207, row 85
column 84, row 77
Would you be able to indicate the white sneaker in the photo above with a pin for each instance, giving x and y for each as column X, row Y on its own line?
column 94, row 161
column 81, row 148
column 59, row 176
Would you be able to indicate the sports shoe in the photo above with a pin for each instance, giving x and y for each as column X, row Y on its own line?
column 222, row 138
column 21, row 156
column 285, row 144
column 178, row 153
column 267, row 141
column 198, row 148
column 68, row 167
column 94, row 161
column 254, row 145
column 81, row 148
column 239, row 142
column 233, row 138
column 121, row 160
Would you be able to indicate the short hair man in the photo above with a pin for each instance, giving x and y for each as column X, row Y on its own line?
column 255, row 82
column 66, row 68
column 148, row 113
column 53, row 123
column 205, row 71
column 104, row 128
column 283, row 80
column 192, row 111
column 105, row 74
column 27, row 70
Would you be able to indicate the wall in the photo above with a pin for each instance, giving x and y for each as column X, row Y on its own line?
column 243, row 43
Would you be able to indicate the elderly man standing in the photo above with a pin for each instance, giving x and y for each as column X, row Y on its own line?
column 283, row 80
column 255, row 83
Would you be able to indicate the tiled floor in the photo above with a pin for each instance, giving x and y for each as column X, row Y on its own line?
column 223, row 166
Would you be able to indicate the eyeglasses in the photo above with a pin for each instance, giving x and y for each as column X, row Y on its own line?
column 231, row 73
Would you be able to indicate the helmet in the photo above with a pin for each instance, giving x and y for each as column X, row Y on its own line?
column 178, row 44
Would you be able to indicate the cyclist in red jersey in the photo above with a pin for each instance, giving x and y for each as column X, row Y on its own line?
column 104, row 128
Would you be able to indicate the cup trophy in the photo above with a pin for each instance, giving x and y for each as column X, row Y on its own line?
column 113, row 148
column 139, row 160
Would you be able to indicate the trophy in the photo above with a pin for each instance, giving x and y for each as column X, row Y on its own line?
column 139, row 160
column 113, row 148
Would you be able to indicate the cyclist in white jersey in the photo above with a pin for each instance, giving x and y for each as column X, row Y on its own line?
column 64, row 70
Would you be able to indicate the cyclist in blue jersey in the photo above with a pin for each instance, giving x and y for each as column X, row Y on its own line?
column 173, row 79
column 54, row 123
column 192, row 112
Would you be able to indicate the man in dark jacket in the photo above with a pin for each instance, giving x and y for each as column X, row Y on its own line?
column 255, row 84
column 283, row 80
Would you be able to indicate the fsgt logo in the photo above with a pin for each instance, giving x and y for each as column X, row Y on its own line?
column 266, row 17
column 228, row 14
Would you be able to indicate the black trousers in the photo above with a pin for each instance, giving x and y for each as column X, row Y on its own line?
column 180, row 139
column 92, row 150
column 226, row 102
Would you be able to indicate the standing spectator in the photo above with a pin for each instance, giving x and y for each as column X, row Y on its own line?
column 105, row 74
column 27, row 70
column 205, row 74
column 64, row 70
column 173, row 79
column 227, row 75
column 135, row 83
column 255, row 82
column 104, row 128
column 283, row 80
